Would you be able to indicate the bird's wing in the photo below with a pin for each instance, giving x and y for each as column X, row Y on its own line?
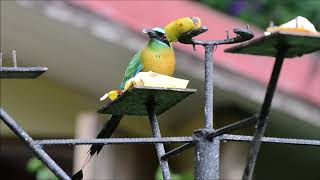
column 135, row 66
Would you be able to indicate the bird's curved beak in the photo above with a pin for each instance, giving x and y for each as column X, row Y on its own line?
column 152, row 34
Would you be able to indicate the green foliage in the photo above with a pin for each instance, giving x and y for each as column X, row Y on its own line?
column 183, row 176
column 261, row 12
column 36, row 167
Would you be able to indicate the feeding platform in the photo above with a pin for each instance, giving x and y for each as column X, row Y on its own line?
column 297, row 44
column 21, row 72
column 136, row 100
column 280, row 45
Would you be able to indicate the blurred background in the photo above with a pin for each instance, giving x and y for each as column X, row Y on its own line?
column 86, row 46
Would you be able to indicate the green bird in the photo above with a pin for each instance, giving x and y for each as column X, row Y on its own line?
column 157, row 56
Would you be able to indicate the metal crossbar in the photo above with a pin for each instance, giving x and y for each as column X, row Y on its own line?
column 231, row 127
column 226, row 129
column 164, row 140
column 311, row 142
column 206, row 140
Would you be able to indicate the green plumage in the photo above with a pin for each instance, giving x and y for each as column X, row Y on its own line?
column 134, row 67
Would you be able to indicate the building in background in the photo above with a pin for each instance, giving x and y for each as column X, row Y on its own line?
column 87, row 44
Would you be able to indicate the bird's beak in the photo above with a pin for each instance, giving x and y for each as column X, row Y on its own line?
column 152, row 34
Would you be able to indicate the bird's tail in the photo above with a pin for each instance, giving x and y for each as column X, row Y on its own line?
column 108, row 128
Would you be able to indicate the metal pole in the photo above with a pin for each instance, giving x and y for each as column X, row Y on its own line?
column 263, row 116
column 109, row 141
column 208, row 107
column 159, row 146
column 207, row 151
column 207, row 154
column 177, row 151
column 36, row 148
column 307, row 142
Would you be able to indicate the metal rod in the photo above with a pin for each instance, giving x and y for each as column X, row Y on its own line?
column 231, row 127
column 218, row 132
column 114, row 141
column 311, row 142
column 159, row 146
column 208, row 107
column 177, row 151
column 14, row 58
column 36, row 148
column 207, row 165
column 263, row 116
column 207, row 154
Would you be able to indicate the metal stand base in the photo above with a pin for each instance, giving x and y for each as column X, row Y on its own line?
column 207, row 154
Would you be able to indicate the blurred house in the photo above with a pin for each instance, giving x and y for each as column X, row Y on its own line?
column 86, row 46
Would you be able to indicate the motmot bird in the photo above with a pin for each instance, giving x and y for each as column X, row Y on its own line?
column 157, row 56
column 173, row 31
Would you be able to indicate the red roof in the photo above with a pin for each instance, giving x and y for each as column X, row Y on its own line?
column 300, row 76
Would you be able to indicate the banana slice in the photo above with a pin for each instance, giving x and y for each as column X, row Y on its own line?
column 299, row 24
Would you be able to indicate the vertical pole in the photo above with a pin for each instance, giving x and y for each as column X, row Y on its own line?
column 159, row 146
column 208, row 107
column 207, row 152
column 263, row 116
column 36, row 148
